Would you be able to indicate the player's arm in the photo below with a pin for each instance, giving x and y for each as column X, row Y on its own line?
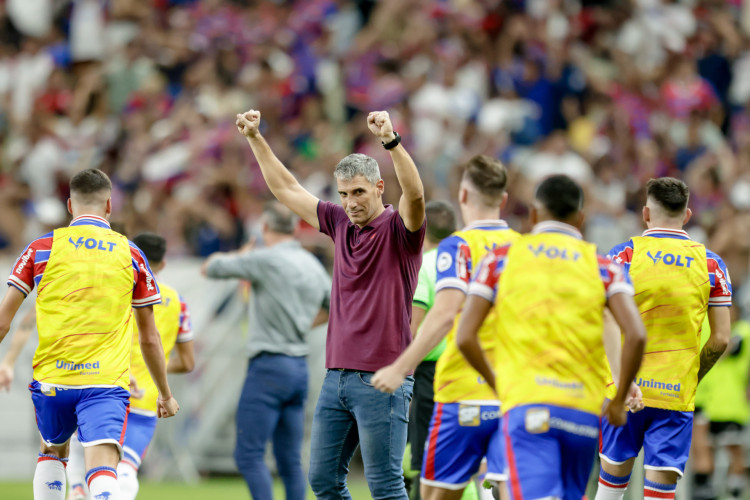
column 721, row 330
column 613, row 348
column 153, row 354
column 8, row 309
column 280, row 181
column 719, row 301
column 475, row 311
column 182, row 359
column 418, row 314
column 411, row 204
column 17, row 342
column 437, row 324
column 627, row 316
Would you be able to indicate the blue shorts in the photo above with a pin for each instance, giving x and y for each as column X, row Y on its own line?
column 550, row 451
column 460, row 436
column 100, row 414
column 664, row 436
column 138, row 435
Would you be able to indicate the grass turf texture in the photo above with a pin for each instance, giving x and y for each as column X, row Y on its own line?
column 229, row 488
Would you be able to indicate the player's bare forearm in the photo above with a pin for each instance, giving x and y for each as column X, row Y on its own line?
column 417, row 316
column 411, row 205
column 437, row 324
column 280, row 181
column 612, row 344
column 474, row 313
column 721, row 330
column 627, row 316
column 19, row 339
column 152, row 350
column 182, row 359
column 8, row 309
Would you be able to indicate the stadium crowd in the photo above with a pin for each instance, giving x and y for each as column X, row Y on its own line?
column 611, row 93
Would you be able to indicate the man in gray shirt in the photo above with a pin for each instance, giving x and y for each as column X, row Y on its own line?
column 290, row 295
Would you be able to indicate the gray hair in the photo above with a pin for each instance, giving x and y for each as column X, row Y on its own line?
column 279, row 218
column 357, row 164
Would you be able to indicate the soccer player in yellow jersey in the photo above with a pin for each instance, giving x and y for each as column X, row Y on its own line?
column 676, row 281
column 89, row 279
column 173, row 321
column 465, row 421
column 548, row 291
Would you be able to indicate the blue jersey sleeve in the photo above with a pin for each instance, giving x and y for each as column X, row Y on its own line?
column 453, row 264
column 622, row 254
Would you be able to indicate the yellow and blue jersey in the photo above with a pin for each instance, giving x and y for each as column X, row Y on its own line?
column 676, row 280
column 88, row 278
column 455, row 379
column 549, row 289
column 173, row 322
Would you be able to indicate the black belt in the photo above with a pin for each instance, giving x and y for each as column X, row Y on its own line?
column 349, row 370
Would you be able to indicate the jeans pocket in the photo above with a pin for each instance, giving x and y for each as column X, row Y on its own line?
column 365, row 378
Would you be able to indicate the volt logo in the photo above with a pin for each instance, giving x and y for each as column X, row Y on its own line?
column 553, row 252
column 671, row 259
column 92, row 244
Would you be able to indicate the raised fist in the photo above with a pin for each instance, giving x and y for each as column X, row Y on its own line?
column 247, row 123
column 380, row 124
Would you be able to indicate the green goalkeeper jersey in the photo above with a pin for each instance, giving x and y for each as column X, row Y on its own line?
column 424, row 295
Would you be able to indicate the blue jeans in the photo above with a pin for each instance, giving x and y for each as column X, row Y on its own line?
column 352, row 412
column 272, row 407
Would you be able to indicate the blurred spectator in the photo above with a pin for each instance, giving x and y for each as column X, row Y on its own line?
column 612, row 94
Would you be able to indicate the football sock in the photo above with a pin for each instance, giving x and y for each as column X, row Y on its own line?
column 49, row 478
column 76, row 469
column 611, row 487
column 102, row 482
column 702, row 487
column 127, row 476
column 658, row 491
column 736, row 485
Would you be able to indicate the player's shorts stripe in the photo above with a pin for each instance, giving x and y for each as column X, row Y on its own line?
column 429, row 472
column 515, row 485
column 124, row 426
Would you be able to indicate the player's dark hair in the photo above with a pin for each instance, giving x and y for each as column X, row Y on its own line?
column 279, row 218
column 561, row 196
column 671, row 194
column 488, row 176
column 89, row 182
column 153, row 246
column 441, row 220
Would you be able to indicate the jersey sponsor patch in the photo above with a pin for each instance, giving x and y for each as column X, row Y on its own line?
column 444, row 262
column 536, row 420
column 469, row 415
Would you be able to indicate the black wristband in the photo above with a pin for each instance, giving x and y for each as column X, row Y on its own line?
column 395, row 142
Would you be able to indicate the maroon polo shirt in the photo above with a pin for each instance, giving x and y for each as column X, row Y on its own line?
column 374, row 277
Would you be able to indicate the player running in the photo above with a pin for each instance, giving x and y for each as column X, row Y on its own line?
column 465, row 422
column 173, row 321
column 88, row 278
column 676, row 280
column 548, row 291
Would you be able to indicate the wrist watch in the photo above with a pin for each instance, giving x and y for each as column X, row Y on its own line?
column 395, row 142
